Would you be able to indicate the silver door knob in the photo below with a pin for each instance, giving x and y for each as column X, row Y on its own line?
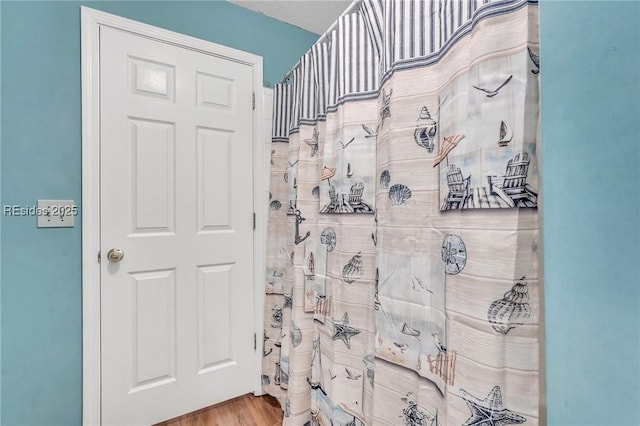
column 115, row 255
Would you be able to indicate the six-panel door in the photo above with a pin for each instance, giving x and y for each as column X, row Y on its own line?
column 177, row 198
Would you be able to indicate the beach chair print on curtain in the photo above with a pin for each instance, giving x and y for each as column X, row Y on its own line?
column 513, row 187
column 458, row 188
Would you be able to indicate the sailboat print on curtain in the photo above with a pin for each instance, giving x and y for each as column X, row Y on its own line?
column 291, row 178
column 313, row 270
column 506, row 135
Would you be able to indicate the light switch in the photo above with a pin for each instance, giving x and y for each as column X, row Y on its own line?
column 56, row 213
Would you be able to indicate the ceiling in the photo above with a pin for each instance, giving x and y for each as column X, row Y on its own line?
column 312, row 15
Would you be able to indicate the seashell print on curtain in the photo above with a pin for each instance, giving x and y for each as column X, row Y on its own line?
column 384, row 305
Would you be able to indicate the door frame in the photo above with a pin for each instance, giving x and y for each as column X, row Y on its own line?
column 91, row 21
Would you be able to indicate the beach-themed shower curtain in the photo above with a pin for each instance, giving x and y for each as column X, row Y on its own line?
column 403, row 283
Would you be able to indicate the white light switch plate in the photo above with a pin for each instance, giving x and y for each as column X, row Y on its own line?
column 56, row 213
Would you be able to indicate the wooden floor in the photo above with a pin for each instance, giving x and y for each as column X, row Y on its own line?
column 246, row 410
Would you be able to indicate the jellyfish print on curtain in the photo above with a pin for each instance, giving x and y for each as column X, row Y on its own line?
column 385, row 305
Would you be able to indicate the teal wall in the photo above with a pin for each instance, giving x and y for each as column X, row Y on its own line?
column 591, row 176
column 591, row 207
column 41, row 353
column 0, row 221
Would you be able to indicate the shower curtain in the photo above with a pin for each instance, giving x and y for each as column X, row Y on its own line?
column 402, row 283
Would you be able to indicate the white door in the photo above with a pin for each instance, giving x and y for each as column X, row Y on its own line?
column 177, row 199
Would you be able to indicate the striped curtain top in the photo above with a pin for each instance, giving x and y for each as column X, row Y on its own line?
column 367, row 46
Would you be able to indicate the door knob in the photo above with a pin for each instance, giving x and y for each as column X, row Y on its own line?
column 115, row 255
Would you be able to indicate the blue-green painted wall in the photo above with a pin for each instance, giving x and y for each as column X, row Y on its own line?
column 41, row 309
column 591, row 178
column 0, row 220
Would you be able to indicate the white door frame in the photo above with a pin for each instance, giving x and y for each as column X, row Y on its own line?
column 91, row 21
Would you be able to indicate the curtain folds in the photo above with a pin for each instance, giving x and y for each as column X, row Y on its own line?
column 402, row 283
